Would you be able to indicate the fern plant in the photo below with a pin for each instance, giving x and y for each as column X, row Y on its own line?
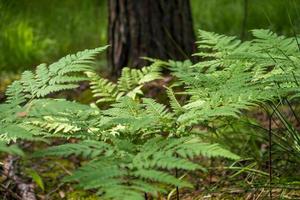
column 133, row 150
column 23, row 93
column 234, row 77
column 131, row 147
column 134, row 146
column 125, row 170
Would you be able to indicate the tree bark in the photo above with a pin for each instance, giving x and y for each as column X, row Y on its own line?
column 148, row 28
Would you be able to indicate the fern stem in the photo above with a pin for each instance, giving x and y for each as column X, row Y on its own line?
column 293, row 111
column 270, row 155
column 287, row 124
column 177, row 189
column 294, row 32
column 176, row 175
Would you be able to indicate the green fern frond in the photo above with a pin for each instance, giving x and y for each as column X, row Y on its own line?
column 11, row 149
column 61, row 75
column 194, row 147
column 220, row 44
column 132, row 78
column 15, row 94
column 103, row 89
column 155, row 109
column 129, row 84
column 129, row 148
column 11, row 133
column 269, row 41
column 162, row 177
column 86, row 149
column 79, row 62
column 175, row 105
column 100, row 173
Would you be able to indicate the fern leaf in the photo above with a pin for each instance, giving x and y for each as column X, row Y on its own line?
column 175, row 105
column 162, row 177
column 86, row 149
column 11, row 149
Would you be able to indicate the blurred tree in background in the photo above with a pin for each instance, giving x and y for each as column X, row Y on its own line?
column 35, row 31
column 147, row 28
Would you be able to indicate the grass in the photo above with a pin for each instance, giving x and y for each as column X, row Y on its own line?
column 227, row 16
column 32, row 33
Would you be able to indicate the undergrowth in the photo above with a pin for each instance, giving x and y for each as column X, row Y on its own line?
column 131, row 147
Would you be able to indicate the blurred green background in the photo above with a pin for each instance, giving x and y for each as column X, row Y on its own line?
column 35, row 31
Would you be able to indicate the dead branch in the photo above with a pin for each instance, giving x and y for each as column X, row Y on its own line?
column 10, row 171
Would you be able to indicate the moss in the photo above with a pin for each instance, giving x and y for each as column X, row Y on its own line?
column 81, row 195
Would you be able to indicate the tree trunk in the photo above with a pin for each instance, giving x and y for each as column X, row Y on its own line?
column 148, row 28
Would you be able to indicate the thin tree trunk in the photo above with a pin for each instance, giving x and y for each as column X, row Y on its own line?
column 148, row 28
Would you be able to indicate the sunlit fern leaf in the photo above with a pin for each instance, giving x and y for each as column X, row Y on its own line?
column 124, row 108
column 129, row 84
column 103, row 89
column 79, row 62
column 15, row 94
column 11, row 133
column 175, row 105
column 156, row 110
column 61, row 75
column 58, row 107
column 132, row 78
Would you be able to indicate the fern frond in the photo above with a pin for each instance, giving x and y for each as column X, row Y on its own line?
column 100, row 173
column 172, row 153
column 129, row 84
column 175, row 105
column 219, row 44
column 132, row 78
column 61, row 75
column 11, row 149
column 194, row 147
column 85, row 148
column 162, row 177
column 155, row 109
column 15, row 94
column 103, row 89
column 63, row 118
column 11, row 133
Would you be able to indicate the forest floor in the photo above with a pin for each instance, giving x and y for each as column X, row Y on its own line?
column 215, row 186
column 48, row 173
